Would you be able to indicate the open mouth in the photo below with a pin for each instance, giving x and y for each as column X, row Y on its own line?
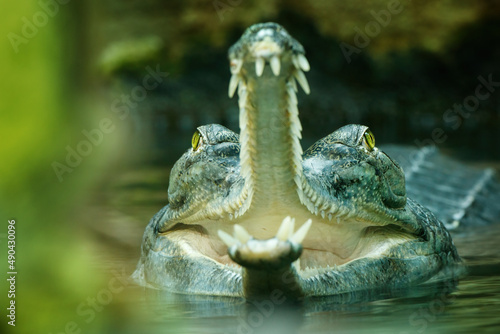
column 336, row 236
column 324, row 246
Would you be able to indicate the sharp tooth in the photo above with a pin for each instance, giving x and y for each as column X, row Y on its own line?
column 243, row 94
column 301, row 78
column 259, row 66
column 275, row 65
column 295, row 61
column 242, row 102
column 301, row 196
column 241, row 234
column 292, row 108
column 330, row 216
column 233, row 84
column 292, row 98
column 297, row 181
column 309, row 192
column 322, row 214
column 299, row 129
column 286, row 229
column 243, row 99
column 299, row 236
column 243, row 117
column 303, row 63
column 226, row 238
column 294, row 84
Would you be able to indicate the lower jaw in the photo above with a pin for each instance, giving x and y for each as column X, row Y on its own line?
column 312, row 259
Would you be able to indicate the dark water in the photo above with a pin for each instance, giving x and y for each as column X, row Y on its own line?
column 472, row 304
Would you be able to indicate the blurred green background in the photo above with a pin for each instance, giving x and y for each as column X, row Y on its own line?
column 67, row 66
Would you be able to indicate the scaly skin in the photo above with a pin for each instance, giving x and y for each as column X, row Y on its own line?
column 361, row 230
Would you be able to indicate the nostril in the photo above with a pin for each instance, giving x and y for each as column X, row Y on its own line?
column 265, row 32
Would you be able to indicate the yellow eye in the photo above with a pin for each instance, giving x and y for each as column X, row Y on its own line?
column 195, row 141
column 369, row 140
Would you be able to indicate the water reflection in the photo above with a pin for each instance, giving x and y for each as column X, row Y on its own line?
column 204, row 314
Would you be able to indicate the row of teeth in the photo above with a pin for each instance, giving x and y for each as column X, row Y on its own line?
column 295, row 133
column 245, row 161
column 319, row 206
column 238, row 207
column 285, row 232
column 299, row 61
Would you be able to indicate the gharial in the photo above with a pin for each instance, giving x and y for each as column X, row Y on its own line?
column 360, row 230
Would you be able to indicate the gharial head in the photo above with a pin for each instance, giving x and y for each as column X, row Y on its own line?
column 349, row 177
column 262, row 43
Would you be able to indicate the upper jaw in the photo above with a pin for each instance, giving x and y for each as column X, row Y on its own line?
column 268, row 43
column 264, row 40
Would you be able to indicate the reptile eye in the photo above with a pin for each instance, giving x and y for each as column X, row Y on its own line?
column 195, row 141
column 369, row 140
